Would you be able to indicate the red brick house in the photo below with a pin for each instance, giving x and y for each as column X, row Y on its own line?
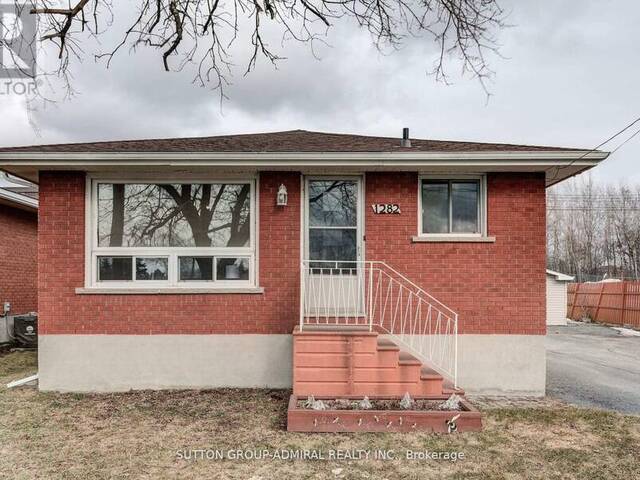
column 18, row 247
column 397, row 264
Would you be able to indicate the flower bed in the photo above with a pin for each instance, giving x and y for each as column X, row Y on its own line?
column 385, row 415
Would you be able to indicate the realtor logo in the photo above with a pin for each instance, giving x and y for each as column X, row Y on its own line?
column 17, row 41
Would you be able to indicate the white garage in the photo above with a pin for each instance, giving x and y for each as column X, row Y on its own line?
column 557, row 297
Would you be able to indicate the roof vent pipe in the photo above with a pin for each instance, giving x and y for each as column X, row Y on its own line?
column 405, row 138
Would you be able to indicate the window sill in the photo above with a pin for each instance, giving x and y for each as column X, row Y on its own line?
column 167, row 291
column 452, row 239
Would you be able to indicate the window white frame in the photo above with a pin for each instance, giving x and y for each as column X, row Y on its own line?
column 482, row 205
column 93, row 251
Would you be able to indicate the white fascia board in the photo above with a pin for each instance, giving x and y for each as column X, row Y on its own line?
column 18, row 199
column 27, row 164
column 259, row 159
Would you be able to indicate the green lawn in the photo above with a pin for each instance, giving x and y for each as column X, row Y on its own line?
column 140, row 435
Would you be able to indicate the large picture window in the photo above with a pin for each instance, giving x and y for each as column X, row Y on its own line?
column 173, row 234
column 452, row 206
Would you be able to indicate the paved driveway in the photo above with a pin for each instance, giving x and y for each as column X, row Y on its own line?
column 594, row 366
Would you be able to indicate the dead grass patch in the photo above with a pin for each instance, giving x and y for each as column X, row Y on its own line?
column 140, row 434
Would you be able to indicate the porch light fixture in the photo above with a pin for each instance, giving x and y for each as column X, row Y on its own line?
column 281, row 198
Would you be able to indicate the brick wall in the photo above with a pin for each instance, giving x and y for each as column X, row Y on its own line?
column 18, row 259
column 495, row 287
column 61, row 247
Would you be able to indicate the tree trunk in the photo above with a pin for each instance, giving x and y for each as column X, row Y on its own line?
column 117, row 219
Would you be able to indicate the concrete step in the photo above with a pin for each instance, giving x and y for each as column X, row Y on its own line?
column 385, row 344
column 358, row 363
column 408, row 359
column 395, row 389
column 448, row 388
column 428, row 373
column 431, row 380
column 400, row 373
column 360, row 390
column 381, row 359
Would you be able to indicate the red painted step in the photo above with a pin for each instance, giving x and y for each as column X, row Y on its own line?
column 358, row 363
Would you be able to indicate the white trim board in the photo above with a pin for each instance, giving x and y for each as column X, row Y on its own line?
column 27, row 164
column 18, row 200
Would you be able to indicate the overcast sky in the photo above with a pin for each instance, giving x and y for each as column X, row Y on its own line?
column 570, row 78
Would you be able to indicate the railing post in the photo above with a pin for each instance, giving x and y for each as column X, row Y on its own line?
column 406, row 324
column 301, row 295
column 370, row 296
column 455, row 354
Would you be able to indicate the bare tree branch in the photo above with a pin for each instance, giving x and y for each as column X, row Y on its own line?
column 201, row 32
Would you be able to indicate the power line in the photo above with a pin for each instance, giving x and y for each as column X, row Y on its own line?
column 625, row 142
column 558, row 169
column 615, row 135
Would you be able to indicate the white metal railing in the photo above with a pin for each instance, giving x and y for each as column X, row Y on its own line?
column 375, row 296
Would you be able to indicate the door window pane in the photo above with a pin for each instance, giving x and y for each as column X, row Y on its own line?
column 152, row 268
column 435, row 207
column 232, row 268
column 332, row 244
column 196, row 268
column 333, row 203
column 464, row 207
column 333, row 221
column 115, row 268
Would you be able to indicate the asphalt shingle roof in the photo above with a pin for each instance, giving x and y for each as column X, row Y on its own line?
column 288, row 141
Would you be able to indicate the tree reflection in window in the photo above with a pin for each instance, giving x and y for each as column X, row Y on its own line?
column 173, row 215
column 333, row 222
column 333, row 203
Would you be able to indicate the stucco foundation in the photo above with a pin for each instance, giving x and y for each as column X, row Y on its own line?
column 513, row 365
column 111, row 363
column 502, row 364
column 488, row 364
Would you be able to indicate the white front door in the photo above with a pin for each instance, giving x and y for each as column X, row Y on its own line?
column 334, row 247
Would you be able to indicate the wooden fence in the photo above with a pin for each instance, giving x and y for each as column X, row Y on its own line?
column 607, row 302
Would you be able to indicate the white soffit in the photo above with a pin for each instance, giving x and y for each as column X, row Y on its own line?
column 558, row 165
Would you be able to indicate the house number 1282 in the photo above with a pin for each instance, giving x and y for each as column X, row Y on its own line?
column 379, row 208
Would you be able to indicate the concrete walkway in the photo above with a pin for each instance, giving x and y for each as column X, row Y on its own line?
column 594, row 366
